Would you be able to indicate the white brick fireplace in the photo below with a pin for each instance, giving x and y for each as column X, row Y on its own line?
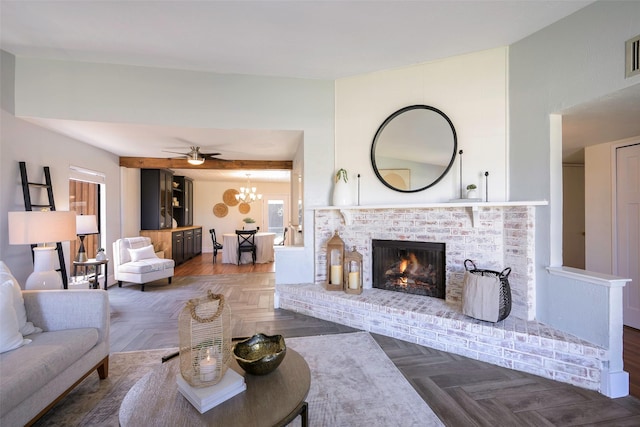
column 494, row 236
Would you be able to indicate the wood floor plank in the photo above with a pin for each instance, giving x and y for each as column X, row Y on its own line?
column 584, row 413
column 461, row 391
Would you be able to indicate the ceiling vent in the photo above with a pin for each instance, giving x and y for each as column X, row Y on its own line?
column 632, row 49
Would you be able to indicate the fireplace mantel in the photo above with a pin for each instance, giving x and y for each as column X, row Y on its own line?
column 474, row 207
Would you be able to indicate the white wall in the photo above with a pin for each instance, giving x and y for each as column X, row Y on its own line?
column 207, row 194
column 118, row 93
column 38, row 147
column 575, row 60
column 598, row 209
column 573, row 215
column 130, row 202
column 470, row 89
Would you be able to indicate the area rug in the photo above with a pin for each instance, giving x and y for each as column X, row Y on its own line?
column 353, row 383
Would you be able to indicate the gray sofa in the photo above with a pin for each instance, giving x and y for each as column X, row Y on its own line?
column 74, row 343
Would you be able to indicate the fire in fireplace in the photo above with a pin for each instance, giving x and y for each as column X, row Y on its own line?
column 409, row 267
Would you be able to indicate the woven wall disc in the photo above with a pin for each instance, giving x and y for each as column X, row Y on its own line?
column 220, row 210
column 229, row 197
column 244, row 208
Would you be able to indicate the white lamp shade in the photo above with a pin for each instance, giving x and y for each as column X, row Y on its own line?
column 32, row 227
column 86, row 224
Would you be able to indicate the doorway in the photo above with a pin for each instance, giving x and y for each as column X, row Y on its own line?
column 628, row 229
column 277, row 208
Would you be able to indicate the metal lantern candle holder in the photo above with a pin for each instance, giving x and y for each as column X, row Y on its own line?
column 353, row 272
column 205, row 340
column 335, row 256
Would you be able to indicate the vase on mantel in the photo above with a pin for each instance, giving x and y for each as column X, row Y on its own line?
column 342, row 194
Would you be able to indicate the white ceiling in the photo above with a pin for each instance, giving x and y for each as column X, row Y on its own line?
column 306, row 39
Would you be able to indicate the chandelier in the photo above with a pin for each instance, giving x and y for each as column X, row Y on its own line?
column 248, row 194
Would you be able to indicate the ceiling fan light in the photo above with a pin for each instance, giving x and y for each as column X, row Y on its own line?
column 196, row 162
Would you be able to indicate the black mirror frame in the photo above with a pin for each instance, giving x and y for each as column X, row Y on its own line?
column 387, row 121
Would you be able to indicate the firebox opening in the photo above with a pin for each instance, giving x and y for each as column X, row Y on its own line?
column 409, row 267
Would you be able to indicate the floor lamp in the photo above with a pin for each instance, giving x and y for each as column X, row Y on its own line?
column 85, row 224
column 42, row 227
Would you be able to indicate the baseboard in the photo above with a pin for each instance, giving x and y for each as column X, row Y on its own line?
column 614, row 384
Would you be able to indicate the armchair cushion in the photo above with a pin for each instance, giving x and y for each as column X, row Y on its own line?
column 145, row 252
column 146, row 265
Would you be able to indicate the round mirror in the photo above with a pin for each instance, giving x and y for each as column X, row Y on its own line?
column 414, row 148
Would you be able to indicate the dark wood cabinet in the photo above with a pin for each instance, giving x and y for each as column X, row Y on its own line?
column 197, row 241
column 188, row 245
column 180, row 244
column 183, row 200
column 177, row 247
column 156, row 194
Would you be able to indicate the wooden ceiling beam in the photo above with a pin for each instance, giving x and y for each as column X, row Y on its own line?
column 161, row 163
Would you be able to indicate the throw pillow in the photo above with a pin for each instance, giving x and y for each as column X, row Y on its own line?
column 26, row 328
column 146, row 252
column 10, row 337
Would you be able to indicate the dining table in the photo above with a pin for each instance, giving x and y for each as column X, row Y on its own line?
column 264, row 249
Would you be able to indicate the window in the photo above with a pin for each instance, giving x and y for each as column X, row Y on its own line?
column 85, row 198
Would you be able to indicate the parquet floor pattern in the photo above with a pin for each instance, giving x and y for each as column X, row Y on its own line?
column 461, row 391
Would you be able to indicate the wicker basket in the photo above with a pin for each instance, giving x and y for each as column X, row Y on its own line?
column 505, row 289
column 204, row 329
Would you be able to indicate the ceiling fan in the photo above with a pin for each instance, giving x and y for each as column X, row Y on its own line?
column 194, row 156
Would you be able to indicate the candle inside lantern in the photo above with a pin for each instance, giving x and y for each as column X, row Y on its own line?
column 336, row 274
column 354, row 279
column 208, row 366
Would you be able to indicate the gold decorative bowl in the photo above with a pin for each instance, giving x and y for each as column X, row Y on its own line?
column 260, row 354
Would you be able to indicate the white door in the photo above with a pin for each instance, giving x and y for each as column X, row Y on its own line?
column 276, row 207
column 628, row 229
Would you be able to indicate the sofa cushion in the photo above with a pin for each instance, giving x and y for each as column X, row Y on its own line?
column 146, row 266
column 25, row 327
column 28, row 368
column 146, row 252
column 10, row 336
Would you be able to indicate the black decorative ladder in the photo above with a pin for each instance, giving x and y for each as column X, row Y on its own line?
column 28, row 206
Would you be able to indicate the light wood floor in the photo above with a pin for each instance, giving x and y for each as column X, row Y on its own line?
column 461, row 391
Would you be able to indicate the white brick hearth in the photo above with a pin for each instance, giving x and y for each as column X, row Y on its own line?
column 494, row 236
column 513, row 343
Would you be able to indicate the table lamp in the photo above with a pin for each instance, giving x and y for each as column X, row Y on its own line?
column 42, row 227
column 85, row 224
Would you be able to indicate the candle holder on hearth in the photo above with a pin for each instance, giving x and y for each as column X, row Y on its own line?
column 204, row 330
column 335, row 256
column 353, row 272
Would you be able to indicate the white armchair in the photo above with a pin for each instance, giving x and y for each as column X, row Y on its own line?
column 135, row 261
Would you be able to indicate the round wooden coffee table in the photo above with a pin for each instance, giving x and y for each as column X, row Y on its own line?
column 270, row 400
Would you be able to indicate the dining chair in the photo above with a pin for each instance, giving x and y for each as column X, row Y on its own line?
column 284, row 236
column 246, row 243
column 216, row 246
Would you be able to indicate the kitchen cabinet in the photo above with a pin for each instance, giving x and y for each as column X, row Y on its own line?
column 183, row 200
column 156, row 193
column 180, row 244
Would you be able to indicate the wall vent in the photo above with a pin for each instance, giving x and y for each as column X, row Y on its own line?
column 632, row 48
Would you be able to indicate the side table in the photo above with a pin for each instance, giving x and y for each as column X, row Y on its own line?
column 92, row 262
